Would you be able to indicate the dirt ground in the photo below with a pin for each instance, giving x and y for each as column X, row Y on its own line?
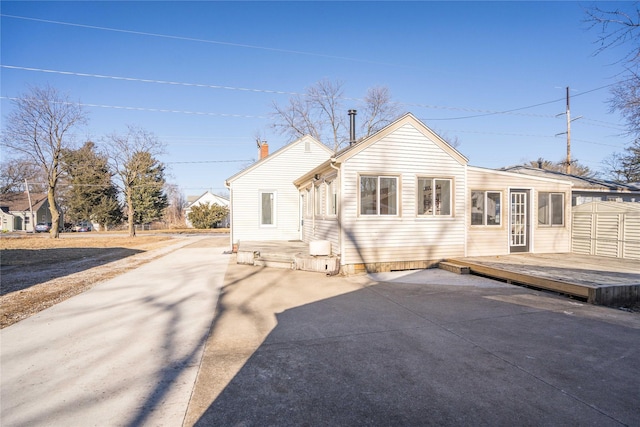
column 37, row 272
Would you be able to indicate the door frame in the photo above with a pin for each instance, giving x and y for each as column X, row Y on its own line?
column 522, row 240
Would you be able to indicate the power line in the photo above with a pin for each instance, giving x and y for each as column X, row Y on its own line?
column 154, row 110
column 192, row 39
column 483, row 113
column 134, row 79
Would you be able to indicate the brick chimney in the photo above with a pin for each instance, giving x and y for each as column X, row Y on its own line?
column 264, row 149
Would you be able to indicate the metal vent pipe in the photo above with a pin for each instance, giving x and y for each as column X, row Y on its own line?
column 352, row 127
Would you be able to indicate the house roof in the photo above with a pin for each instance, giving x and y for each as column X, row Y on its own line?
column 578, row 182
column 19, row 202
column 194, row 199
column 275, row 154
column 356, row 148
column 507, row 174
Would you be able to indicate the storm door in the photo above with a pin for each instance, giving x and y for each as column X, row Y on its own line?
column 519, row 221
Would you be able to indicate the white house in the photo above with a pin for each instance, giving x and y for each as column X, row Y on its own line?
column 207, row 198
column 265, row 205
column 404, row 198
column 16, row 211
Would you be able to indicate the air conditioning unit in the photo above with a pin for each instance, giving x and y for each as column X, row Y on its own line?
column 320, row 248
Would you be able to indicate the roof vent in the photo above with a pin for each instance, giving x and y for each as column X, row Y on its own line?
column 352, row 126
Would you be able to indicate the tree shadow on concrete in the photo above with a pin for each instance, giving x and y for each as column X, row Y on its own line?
column 23, row 268
column 409, row 354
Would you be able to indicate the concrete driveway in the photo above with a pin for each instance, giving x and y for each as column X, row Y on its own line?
column 124, row 353
column 297, row 348
column 290, row 348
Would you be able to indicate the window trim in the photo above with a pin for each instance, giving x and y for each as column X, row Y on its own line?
column 549, row 208
column 485, row 194
column 419, row 200
column 331, row 195
column 274, row 208
column 318, row 191
column 378, row 178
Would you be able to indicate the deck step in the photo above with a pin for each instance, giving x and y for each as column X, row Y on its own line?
column 454, row 268
column 275, row 262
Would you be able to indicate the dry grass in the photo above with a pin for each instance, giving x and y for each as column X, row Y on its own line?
column 38, row 272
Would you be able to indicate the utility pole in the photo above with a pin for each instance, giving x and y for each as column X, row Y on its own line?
column 568, row 161
column 33, row 226
column 567, row 113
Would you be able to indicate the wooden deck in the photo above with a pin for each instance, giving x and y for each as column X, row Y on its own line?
column 599, row 280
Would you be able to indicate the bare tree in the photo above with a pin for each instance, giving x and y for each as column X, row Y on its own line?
column 620, row 27
column 320, row 112
column 14, row 173
column 129, row 156
column 617, row 28
column 174, row 213
column 40, row 128
column 378, row 110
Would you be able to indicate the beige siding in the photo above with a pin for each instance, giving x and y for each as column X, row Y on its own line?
column 407, row 154
column 274, row 174
column 494, row 240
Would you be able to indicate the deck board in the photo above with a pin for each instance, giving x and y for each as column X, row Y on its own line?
column 600, row 280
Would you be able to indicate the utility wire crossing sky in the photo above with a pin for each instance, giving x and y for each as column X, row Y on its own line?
column 204, row 76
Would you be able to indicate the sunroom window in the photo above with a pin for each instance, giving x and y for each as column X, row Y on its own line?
column 434, row 197
column 485, row 207
column 551, row 209
column 332, row 198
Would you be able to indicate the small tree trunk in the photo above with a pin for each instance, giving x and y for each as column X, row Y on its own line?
column 54, row 233
column 132, row 228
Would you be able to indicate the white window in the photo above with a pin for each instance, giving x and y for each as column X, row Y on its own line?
column 332, row 198
column 267, row 208
column 434, row 196
column 378, row 195
column 551, row 209
column 318, row 199
column 308, row 201
column 485, row 207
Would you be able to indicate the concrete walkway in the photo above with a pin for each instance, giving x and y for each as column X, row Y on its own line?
column 124, row 353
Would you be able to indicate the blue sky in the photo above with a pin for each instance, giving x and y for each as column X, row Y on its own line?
column 449, row 63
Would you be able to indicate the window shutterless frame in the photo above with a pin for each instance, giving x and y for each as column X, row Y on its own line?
column 434, row 197
column 268, row 203
column 379, row 195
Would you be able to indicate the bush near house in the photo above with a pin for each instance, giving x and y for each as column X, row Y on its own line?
column 207, row 215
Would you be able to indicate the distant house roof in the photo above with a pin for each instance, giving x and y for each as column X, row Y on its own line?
column 578, row 182
column 19, row 202
column 208, row 197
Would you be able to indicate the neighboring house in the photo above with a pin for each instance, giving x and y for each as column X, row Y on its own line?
column 265, row 205
column 585, row 189
column 403, row 198
column 207, row 198
column 16, row 213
